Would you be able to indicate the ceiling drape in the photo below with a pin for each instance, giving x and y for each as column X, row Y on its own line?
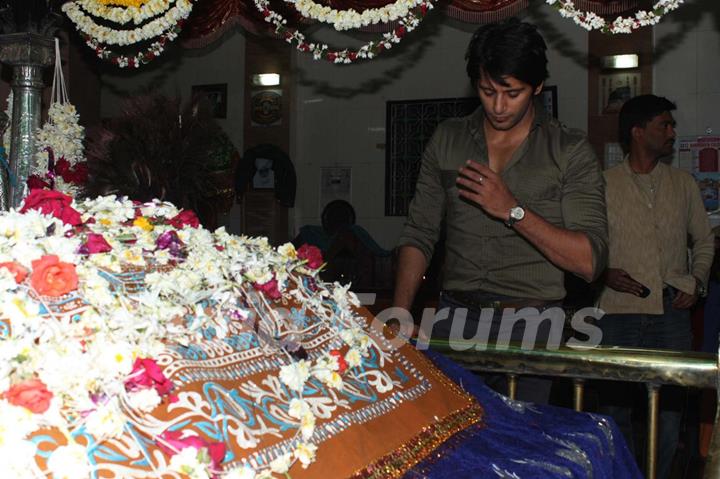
column 211, row 18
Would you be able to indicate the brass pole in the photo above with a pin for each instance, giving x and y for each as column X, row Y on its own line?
column 578, row 392
column 653, row 401
column 512, row 385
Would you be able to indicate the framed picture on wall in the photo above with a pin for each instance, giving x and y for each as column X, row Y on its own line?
column 616, row 89
column 216, row 94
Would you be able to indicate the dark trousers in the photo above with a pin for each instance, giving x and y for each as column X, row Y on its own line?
column 670, row 330
column 531, row 389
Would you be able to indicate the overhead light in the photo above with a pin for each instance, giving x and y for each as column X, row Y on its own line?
column 266, row 79
column 621, row 61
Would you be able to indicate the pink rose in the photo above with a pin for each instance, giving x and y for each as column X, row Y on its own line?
column 269, row 289
column 185, row 217
column 147, row 374
column 172, row 442
column 31, row 394
column 312, row 254
column 52, row 203
column 95, row 243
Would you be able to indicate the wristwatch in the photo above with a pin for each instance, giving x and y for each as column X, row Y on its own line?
column 517, row 213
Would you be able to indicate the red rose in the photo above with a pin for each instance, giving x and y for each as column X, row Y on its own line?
column 342, row 364
column 312, row 254
column 34, row 182
column 51, row 277
column 31, row 394
column 52, row 203
column 95, row 244
column 147, row 374
column 62, row 167
column 16, row 269
column 269, row 289
column 185, row 217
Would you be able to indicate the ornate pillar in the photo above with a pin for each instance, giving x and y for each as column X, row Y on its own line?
column 28, row 54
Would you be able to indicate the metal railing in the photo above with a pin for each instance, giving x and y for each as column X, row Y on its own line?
column 652, row 367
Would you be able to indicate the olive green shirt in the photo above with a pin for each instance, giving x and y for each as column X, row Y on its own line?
column 554, row 173
column 650, row 217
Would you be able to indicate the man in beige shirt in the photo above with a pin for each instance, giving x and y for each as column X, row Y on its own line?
column 652, row 210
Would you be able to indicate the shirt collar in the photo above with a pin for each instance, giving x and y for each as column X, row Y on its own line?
column 478, row 117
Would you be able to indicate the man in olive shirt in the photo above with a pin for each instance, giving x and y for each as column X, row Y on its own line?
column 652, row 210
column 522, row 196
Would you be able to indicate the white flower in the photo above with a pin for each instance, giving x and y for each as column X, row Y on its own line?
column 107, row 421
column 294, row 375
column 298, row 408
column 307, row 425
column 69, row 462
column 144, row 400
column 17, row 460
column 188, row 462
column 282, row 463
column 305, row 453
column 353, row 358
column 243, row 472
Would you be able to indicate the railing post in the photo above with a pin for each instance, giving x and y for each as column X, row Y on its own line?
column 652, row 431
column 512, row 385
column 578, row 393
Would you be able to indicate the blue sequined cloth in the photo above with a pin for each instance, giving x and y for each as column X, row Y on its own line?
column 527, row 441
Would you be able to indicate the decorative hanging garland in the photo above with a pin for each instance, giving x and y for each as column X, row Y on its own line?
column 321, row 51
column 591, row 21
column 349, row 19
column 168, row 18
column 119, row 15
column 140, row 58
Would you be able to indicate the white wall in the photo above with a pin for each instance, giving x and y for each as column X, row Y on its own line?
column 687, row 65
column 174, row 75
column 339, row 113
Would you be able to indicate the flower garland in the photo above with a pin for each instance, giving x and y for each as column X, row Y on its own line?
column 60, row 161
column 7, row 135
column 168, row 18
column 322, row 51
column 94, row 369
column 348, row 19
column 110, row 36
column 591, row 21
column 122, row 16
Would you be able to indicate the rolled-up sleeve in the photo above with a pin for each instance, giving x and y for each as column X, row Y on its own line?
column 583, row 201
column 427, row 208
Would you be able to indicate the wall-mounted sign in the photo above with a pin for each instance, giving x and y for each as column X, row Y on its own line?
column 266, row 108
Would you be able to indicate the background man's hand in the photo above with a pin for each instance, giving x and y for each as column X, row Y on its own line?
column 619, row 280
column 482, row 186
column 684, row 300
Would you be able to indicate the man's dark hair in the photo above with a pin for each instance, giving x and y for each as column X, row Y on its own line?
column 639, row 111
column 509, row 48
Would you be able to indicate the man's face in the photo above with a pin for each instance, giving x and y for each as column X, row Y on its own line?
column 505, row 105
column 658, row 136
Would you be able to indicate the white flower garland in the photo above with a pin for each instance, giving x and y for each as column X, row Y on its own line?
column 349, row 19
column 322, row 51
column 92, row 353
column 110, row 36
column 63, row 135
column 591, row 21
column 122, row 15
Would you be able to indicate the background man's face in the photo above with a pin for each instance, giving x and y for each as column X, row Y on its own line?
column 505, row 105
column 658, row 135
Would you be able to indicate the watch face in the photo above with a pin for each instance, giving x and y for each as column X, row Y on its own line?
column 517, row 213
